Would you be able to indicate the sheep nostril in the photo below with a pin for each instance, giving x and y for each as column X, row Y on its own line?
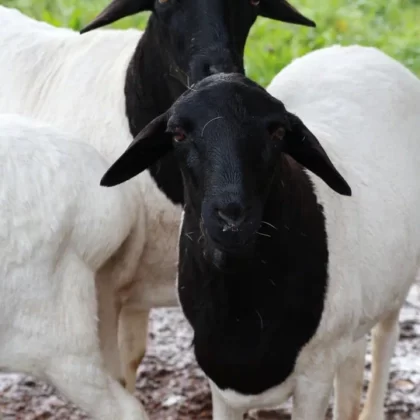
column 226, row 68
column 214, row 70
column 233, row 220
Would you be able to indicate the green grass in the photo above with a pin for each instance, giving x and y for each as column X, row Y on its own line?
column 391, row 25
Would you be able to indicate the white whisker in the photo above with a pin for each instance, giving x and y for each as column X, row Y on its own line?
column 263, row 234
column 261, row 320
column 269, row 224
column 208, row 122
column 188, row 235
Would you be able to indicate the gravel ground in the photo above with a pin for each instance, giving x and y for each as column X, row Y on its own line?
column 173, row 387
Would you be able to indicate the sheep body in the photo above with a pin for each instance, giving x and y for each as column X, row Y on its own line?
column 280, row 277
column 77, row 82
column 377, row 153
column 287, row 313
column 361, row 105
column 60, row 231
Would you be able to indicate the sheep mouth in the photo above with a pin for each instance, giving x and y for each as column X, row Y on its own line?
column 221, row 255
column 235, row 249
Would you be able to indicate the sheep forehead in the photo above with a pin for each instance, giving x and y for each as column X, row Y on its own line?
column 210, row 113
column 228, row 96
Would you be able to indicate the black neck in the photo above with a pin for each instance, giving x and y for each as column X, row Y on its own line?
column 150, row 89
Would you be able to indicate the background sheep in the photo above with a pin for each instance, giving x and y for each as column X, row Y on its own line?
column 60, row 231
column 105, row 86
column 280, row 277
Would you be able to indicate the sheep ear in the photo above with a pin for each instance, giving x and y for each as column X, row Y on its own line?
column 305, row 148
column 150, row 145
column 283, row 11
column 117, row 10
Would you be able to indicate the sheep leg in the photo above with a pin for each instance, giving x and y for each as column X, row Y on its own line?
column 108, row 310
column 132, row 337
column 349, row 383
column 74, row 362
column 85, row 382
column 312, row 393
column 384, row 338
column 221, row 410
column 55, row 337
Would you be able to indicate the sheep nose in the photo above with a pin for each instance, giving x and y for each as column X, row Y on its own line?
column 224, row 68
column 205, row 69
column 214, row 61
column 232, row 215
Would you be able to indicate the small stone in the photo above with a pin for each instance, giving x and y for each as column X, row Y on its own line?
column 172, row 400
column 404, row 384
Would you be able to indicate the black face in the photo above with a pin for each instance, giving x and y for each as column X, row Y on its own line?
column 202, row 37
column 227, row 152
column 228, row 134
column 205, row 37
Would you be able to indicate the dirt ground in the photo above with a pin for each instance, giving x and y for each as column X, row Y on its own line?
column 173, row 387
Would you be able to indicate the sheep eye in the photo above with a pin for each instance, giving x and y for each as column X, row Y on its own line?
column 278, row 133
column 254, row 2
column 163, row 1
column 179, row 135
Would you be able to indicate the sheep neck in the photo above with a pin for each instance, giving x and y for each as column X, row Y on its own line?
column 250, row 324
column 150, row 89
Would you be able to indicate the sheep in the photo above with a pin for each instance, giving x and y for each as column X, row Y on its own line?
column 60, row 233
column 105, row 86
column 300, row 232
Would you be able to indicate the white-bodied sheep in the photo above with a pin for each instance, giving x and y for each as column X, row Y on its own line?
column 301, row 229
column 59, row 233
column 106, row 85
